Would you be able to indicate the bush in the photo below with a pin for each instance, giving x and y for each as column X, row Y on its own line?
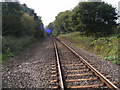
column 12, row 45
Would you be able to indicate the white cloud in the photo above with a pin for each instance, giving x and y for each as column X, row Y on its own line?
column 48, row 9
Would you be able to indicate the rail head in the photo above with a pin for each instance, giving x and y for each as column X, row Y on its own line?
column 104, row 79
column 59, row 66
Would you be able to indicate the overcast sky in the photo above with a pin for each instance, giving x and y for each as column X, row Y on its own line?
column 48, row 9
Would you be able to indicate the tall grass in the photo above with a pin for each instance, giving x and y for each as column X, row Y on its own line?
column 0, row 48
column 12, row 45
column 106, row 47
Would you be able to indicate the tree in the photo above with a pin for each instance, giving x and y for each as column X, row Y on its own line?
column 63, row 22
column 11, row 14
column 50, row 26
column 39, row 27
column 96, row 18
column 67, row 21
column 27, row 10
column 19, row 21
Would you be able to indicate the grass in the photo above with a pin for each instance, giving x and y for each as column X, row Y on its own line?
column 0, row 58
column 12, row 46
column 105, row 47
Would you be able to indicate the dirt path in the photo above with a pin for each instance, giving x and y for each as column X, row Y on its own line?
column 30, row 69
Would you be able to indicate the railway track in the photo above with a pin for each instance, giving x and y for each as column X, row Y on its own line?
column 70, row 70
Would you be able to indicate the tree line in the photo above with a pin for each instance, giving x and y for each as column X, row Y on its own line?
column 90, row 18
column 20, row 26
column 19, row 20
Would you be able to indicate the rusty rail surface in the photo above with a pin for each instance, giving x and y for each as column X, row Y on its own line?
column 59, row 67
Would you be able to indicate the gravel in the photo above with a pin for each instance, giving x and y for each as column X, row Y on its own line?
column 31, row 68
column 101, row 64
column 65, row 56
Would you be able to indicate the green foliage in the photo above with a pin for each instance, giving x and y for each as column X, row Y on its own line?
column 19, row 20
column 11, row 8
column 116, row 61
column 12, row 45
column 106, row 47
column 20, row 27
column 98, row 18
column 63, row 23
column 111, row 58
column 51, row 26
column 11, row 14
column 0, row 58
column 118, row 30
column 11, row 25
column 27, row 10
column 39, row 29
column 7, row 56
column 27, row 25
column 91, row 18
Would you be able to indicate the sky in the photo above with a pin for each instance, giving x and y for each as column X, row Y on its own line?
column 48, row 9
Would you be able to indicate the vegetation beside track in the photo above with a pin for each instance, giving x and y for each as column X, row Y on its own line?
column 91, row 26
column 106, row 47
column 12, row 45
column 21, row 26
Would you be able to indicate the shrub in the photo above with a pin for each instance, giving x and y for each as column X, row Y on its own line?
column 12, row 45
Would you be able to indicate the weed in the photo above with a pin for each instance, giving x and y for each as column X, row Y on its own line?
column 106, row 47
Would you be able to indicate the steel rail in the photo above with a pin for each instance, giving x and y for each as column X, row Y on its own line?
column 59, row 67
column 97, row 73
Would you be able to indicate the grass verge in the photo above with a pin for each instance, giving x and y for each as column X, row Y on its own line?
column 12, row 46
column 105, row 47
